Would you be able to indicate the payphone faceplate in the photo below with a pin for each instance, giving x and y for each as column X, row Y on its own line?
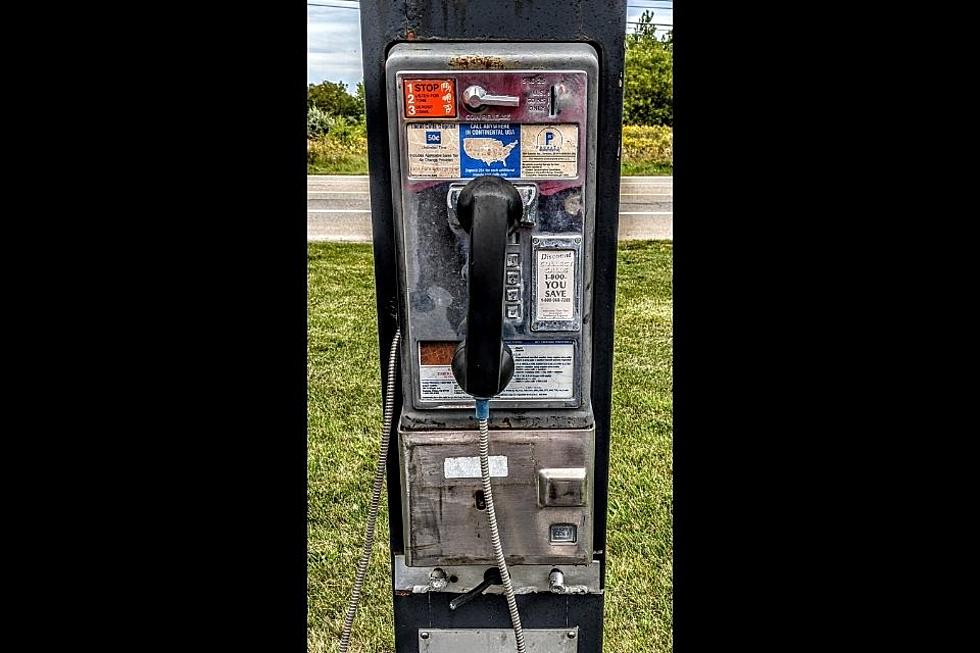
column 537, row 129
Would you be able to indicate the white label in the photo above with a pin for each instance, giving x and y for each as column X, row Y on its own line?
column 469, row 467
column 549, row 151
column 541, row 371
column 438, row 383
column 555, row 298
column 433, row 150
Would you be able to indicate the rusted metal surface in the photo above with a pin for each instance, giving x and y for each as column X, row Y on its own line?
column 477, row 62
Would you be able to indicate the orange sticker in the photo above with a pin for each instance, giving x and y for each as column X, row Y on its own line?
column 430, row 98
column 437, row 353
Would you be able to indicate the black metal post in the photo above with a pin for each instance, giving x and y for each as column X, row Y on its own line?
column 601, row 23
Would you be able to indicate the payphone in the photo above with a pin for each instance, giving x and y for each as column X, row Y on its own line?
column 493, row 158
column 492, row 181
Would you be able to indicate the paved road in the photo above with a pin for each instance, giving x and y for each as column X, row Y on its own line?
column 338, row 208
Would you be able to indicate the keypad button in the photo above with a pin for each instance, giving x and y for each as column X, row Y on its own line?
column 513, row 277
column 513, row 294
column 513, row 311
column 513, row 260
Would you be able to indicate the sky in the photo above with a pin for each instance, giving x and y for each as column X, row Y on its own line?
column 333, row 38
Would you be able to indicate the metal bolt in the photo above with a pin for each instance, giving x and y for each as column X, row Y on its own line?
column 437, row 579
column 571, row 634
column 424, row 635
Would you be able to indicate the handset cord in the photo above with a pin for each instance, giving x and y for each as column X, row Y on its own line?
column 483, row 415
column 379, row 478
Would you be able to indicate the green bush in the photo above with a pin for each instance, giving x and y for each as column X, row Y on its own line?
column 647, row 150
column 333, row 98
column 654, row 144
column 318, row 122
column 648, row 98
column 341, row 148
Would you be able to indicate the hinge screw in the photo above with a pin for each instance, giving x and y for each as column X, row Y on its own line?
column 424, row 635
column 571, row 634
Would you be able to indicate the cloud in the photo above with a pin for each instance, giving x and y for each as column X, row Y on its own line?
column 333, row 46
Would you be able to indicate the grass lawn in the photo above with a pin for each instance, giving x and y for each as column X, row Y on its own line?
column 645, row 169
column 344, row 409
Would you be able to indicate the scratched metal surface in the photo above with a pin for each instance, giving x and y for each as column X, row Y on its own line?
column 444, row 526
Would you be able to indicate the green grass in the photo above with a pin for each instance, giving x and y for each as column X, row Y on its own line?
column 351, row 165
column 344, row 409
column 644, row 169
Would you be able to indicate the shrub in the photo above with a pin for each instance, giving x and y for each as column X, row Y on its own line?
column 648, row 145
column 648, row 98
column 318, row 122
column 342, row 147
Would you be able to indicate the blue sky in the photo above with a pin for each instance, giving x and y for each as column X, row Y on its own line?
column 333, row 39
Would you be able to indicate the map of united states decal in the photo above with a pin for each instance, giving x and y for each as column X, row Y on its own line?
column 490, row 149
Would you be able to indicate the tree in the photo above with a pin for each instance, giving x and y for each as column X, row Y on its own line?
column 359, row 96
column 648, row 98
column 333, row 98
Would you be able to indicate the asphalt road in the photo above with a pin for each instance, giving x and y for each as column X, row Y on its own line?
column 338, row 207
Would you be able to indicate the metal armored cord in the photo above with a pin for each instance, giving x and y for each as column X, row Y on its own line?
column 379, row 478
column 498, row 551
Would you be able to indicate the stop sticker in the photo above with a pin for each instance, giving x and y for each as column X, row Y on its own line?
column 430, row 98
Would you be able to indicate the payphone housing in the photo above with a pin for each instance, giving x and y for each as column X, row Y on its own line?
column 529, row 117
column 528, row 93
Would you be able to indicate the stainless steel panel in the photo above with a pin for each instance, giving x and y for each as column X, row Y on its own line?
column 497, row 640
column 443, row 524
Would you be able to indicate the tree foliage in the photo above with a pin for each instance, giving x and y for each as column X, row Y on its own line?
column 648, row 98
column 333, row 98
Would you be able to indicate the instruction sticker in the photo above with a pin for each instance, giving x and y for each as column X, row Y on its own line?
column 542, row 371
column 490, row 149
column 549, row 151
column 430, row 98
column 433, row 150
column 555, row 275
